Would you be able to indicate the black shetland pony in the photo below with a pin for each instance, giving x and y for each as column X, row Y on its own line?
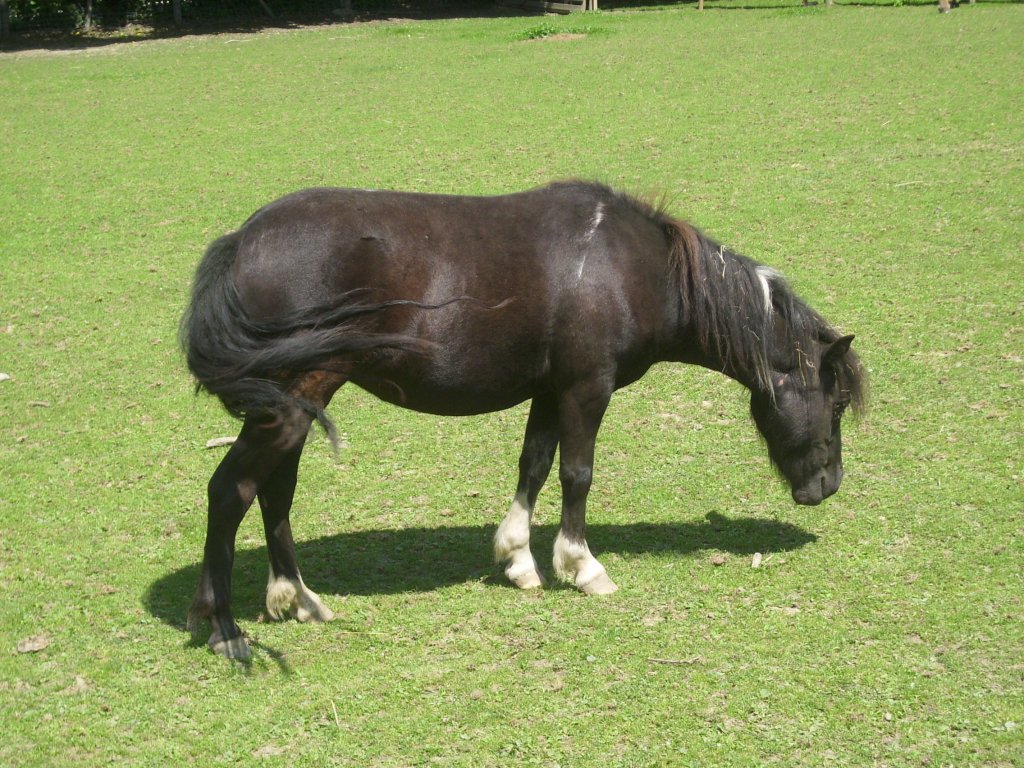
column 465, row 305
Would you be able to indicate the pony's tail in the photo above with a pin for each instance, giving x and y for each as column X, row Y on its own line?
column 242, row 361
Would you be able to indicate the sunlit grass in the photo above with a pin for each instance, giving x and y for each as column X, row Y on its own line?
column 872, row 154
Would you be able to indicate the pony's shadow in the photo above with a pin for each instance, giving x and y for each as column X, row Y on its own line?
column 424, row 559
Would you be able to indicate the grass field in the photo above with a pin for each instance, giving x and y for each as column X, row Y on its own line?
column 875, row 155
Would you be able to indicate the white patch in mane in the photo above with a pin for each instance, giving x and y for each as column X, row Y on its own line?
column 583, row 263
column 595, row 222
column 721, row 258
column 766, row 275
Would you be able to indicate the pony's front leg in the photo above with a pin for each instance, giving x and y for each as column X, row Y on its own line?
column 580, row 415
column 512, row 539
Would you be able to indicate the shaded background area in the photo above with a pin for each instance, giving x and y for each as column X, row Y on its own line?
column 94, row 21
column 94, row 15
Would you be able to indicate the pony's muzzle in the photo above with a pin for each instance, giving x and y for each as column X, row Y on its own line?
column 809, row 496
column 819, row 488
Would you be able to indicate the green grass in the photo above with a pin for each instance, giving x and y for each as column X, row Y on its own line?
column 873, row 154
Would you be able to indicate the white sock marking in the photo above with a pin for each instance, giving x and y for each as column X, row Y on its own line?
column 514, row 532
column 574, row 562
column 512, row 546
column 286, row 596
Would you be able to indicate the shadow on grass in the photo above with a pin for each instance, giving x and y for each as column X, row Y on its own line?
column 424, row 559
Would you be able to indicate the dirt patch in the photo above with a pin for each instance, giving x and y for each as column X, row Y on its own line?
column 559, row 36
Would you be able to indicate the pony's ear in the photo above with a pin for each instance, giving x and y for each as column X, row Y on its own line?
column 837, row 349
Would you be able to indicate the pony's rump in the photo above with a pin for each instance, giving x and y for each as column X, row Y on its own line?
column 246, row 363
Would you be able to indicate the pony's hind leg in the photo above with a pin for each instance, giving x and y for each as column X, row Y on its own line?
column 512, row 539
column 286, row 592
column 264, row 440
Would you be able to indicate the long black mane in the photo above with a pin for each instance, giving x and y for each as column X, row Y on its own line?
column 740, row 309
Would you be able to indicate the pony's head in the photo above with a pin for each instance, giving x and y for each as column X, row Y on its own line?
column 743, row 319
column 800, row 419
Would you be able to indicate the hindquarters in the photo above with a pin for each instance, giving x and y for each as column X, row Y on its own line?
column 254, row 365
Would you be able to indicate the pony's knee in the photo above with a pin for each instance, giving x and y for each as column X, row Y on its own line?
column 228, row 499
column 535, row 466
column 576, row 480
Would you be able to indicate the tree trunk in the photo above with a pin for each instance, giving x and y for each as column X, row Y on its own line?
column 87, row 21
column 5, row 18
column 176, row 8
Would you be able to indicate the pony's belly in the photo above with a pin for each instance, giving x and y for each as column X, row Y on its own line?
column 441, row 400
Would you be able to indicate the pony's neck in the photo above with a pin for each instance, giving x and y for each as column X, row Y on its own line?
column 713, row 359
column 727, row 320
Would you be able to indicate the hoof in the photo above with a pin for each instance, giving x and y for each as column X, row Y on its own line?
column 526, row 579
column 233, row 648
column 313, row 613
column 291, row 596
column 524, row 574
column 599, row 585
column 281, row 594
